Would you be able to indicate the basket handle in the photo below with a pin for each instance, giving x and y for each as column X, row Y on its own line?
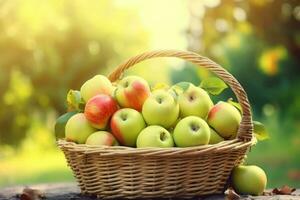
column 246, row 127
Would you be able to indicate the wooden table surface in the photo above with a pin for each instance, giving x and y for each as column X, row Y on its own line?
column 70, row 191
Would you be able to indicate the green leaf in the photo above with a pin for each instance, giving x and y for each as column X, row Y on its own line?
column 182, row 85
column 61, row 123
column 173, row 92
column 213, row 85
column 260, row 131
column 235, row 104
column 74, row 101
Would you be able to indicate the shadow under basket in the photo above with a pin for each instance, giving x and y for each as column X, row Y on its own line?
column 125, row 172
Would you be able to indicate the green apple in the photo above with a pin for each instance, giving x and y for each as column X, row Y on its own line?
column 78, row 129
column 100, row 138
column 191, row 131
column 194, row 101
column 61, row 124
column 215, row 137
column 126, row 124
column 225, row 119
column 99, row 84
column 131, row 92
column 249, row 180
column 160, row 109
column 154, row 136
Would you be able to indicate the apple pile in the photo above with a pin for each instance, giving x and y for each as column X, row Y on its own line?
column 131, row 113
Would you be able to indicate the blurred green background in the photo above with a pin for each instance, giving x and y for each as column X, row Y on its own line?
column 49, row 47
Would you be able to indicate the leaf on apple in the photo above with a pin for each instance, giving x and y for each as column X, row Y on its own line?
column 160, row 86
column 235, row 104
column 74, row 101
column 174, row 94
column 182, row 85
column 213, row 85
column 260, row 131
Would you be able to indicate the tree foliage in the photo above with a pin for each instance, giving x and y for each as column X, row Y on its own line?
column 258, row 42
column 48, row 47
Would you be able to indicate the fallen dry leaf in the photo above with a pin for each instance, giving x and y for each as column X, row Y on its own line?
column 230, row 194
column 31, row 194
column 284, row 190
column 267, row 193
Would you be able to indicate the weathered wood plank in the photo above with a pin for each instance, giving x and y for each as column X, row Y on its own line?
column 70, row 191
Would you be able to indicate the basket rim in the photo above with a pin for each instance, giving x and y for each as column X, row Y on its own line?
column 221, row 147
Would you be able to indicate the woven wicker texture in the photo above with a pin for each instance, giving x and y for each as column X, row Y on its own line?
column 124, row 172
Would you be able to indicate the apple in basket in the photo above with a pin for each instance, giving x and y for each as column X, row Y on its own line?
column 154, row 136
column 214, row 137
column 131, row 92
column 78, row 129
column 160, row 109
column 99, row 84
column 194, row 101
column 126, row 124
column 225, row 119
column 191, row 131
column 100, row 138
column 249, row 180
column 99, row 109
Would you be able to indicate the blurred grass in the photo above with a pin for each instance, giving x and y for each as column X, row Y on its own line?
column 38, row 167
column 279, row 155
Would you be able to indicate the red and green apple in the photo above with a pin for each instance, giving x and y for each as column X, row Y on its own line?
column 99, row 84
column 126, row 124
column 131, row 92
column 99, row 109
column 78, row 129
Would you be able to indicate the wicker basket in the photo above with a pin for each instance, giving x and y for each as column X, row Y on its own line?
column 124, row 172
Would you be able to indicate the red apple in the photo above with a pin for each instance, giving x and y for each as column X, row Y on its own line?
column 126, row 124
column 99, row 109
column 225, row 119
column 101, row 138
column 131, row 92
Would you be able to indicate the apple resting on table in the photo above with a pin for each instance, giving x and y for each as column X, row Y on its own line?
column 249, row 180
